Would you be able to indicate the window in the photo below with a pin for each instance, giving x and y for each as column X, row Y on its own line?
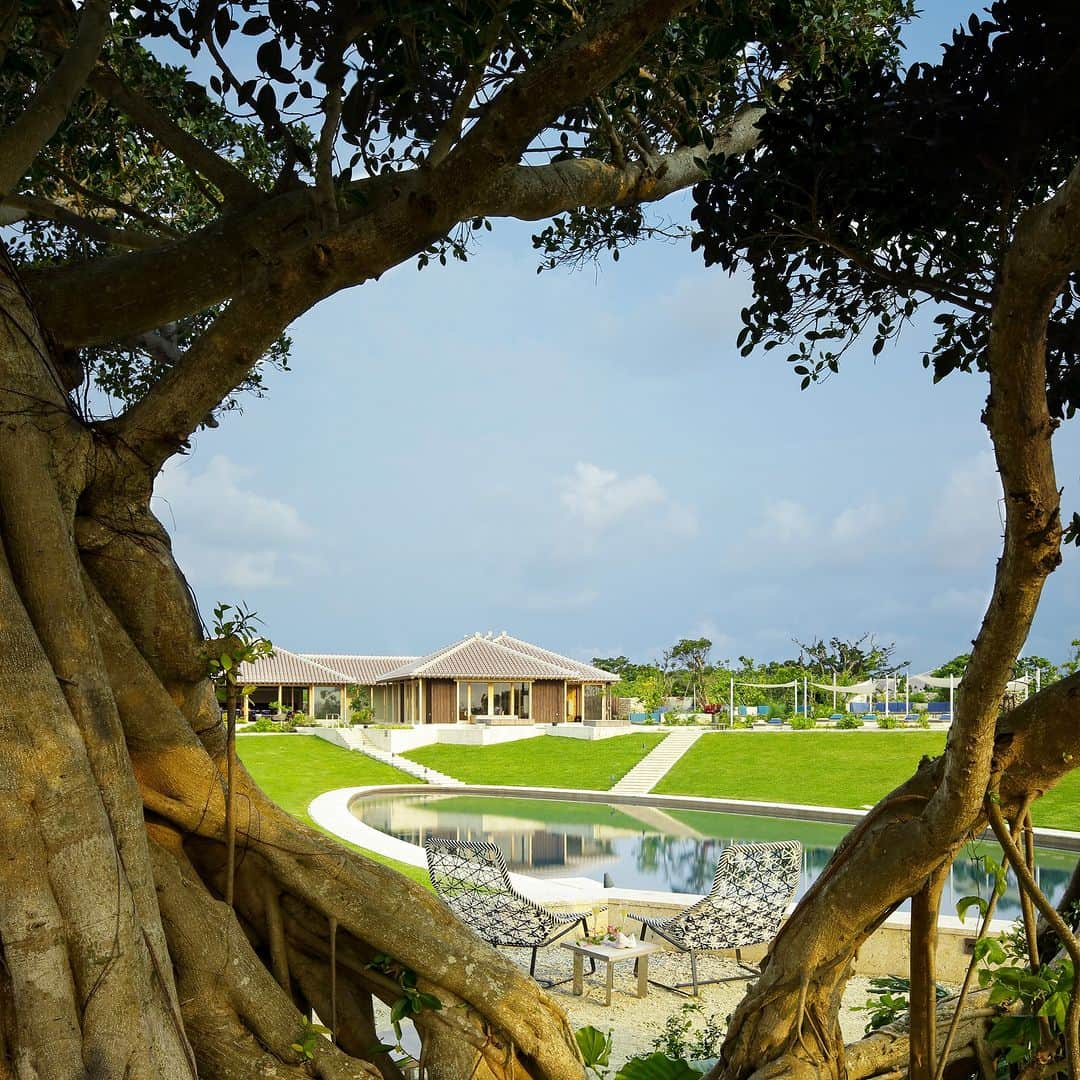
column 463, row 701
column 594, row 703
column 501, row 700
column 478, row 698
column 327, row 703
column 521, row 700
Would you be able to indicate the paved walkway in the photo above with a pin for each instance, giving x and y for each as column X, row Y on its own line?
column 413, row 768
column 646, row 774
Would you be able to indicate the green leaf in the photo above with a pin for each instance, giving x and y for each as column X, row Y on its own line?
column 399, row 1010
column 989, row 950
column 966, row 902
column 595, row 1046
column 656, row 1067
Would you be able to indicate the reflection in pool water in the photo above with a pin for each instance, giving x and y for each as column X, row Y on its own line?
column 642, row 847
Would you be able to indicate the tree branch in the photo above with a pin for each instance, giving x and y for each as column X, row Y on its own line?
column 112, row 298
column 1044, row 250
column 450, row 132
column 9, row 17
column 156, row 427
column 121, row 207
column 325, row 196
column 577, row 67
column 38, row 123
column 30, row 206
column 223, row 174
column 532, row 193
column 150, row 288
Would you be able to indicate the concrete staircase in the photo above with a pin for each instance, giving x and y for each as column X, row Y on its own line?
column 421, row 772
column 646, row 774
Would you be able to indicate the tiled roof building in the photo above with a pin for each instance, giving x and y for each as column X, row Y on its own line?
column 480, row 679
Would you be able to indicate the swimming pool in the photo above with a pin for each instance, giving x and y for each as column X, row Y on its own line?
column 645, row 847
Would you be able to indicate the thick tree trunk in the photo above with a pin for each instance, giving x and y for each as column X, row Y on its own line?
column 119, row 958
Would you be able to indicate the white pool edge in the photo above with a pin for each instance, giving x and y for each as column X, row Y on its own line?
column 331, row 811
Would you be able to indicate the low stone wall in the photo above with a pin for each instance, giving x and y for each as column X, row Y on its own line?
column 591, row 731
column 399, row 740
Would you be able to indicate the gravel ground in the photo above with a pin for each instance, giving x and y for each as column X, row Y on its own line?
column 637, row 1022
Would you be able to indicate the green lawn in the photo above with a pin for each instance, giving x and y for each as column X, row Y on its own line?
column 1060, row 808
column 850, row 768
column 293, row 769
column 542, row 761
column 553, row 811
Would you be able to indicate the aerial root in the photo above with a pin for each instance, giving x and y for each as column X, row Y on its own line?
column 238, row 1018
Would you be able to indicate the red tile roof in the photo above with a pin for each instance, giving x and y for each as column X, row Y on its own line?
column 504, row 658
column 478, row 657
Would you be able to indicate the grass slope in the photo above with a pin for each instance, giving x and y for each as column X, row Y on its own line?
column 542, row 761
column 552, row 811
column 293, row 769
column 850, row 768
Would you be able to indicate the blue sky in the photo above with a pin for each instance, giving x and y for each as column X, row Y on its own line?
column 585, row 460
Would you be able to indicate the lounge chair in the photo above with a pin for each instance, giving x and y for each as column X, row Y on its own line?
column 471, row 878
column 753, row 886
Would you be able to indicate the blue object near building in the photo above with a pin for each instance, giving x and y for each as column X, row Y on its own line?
column 650, row 717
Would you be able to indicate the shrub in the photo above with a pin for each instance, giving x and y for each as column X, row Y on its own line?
column 888, row 1001
column 849, row 721
column 887, row 721
column 802, row 723
column 678, row 1039
column 264, row 723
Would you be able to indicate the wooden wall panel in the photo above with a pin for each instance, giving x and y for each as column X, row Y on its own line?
column 442, row 693
column 548, row 703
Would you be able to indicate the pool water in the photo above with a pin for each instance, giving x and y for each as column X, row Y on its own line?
column 641, row 847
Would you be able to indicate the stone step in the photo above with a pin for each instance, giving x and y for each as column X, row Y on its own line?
column 643, row 777
column 411, row 768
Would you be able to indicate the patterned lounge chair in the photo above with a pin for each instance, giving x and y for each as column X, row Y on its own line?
column 753, row 886
column 471, row 878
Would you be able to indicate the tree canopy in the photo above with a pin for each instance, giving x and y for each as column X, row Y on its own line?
column 876, row 190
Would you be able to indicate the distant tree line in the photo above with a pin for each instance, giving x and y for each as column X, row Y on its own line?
column 687, row 669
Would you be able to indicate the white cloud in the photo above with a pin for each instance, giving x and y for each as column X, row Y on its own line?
column 857, row 524
column 225, row 532
column 785, row 520
column 808, row 537
column 223, row 506
column 965, row 527
column 600, row 499
column 708, row 628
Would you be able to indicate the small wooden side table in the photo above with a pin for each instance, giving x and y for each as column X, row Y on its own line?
column 611, row 955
